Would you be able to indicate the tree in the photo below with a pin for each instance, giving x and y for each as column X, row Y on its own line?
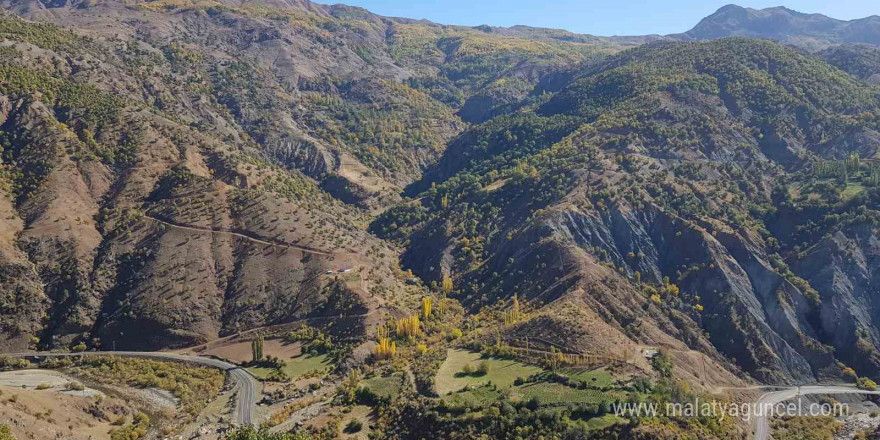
column 446, row 285
column 426, row 307
column 482, row 369
column 257, row 349
column 663, row 363
column 348, row 388
column 385, row 349
column 409, row 327
column 514, row 315
column 251, row 433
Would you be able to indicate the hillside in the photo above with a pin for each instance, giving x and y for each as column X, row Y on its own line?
column 150, row 125
column 481, row 226
column 676, row 162
column 135, row 201
column 860, row 60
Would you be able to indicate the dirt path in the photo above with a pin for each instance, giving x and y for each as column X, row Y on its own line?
column 274, row 328
column 241, row 233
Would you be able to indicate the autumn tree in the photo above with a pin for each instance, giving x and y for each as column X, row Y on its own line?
column 446, row 284
column 257, row 349
column 409, row 327
column 426, row 307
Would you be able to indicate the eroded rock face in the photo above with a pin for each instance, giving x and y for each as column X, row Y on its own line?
column 752, row 314
column 843, row 268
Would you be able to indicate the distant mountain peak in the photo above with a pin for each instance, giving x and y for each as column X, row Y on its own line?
column 811, row 31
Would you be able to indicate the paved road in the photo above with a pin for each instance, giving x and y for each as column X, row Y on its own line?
column 762, row 423
column 245, row 385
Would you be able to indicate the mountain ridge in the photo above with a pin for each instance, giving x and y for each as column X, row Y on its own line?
column 812, row 31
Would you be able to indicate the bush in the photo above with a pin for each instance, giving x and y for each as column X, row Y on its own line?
column 74, row 386
column 866, row 384
column 663, row 364
column 353, row 426
column 366, row 396
column 482, row 369
column 6, row 432
column 252, row 433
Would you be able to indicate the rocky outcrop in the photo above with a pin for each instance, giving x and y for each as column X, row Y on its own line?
column 842, row 267
column 751, row 312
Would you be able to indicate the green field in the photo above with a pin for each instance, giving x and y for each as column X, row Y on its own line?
column 597, row 423
column 502, row 372
column 852, row 190
column 473, row 398
column 387, row 387
column 297, row 367
column 599, row 377
column 558, row 394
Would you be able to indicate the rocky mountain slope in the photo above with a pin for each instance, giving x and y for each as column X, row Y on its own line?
column 659, row 175
column 174, row 171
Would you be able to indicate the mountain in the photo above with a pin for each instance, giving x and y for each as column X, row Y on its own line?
column 661, row 160
column 785, row 25
column 174, row 172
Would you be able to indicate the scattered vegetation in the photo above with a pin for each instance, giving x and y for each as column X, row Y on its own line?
column 194, row 386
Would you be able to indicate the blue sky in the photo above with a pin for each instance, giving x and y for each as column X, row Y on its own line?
column 605, row 17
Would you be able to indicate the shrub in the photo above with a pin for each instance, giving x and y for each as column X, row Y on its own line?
column 366, row 396
column 74, row 386
column 866, row 384
column 6, row 432
column 252, row 433
column 482, row 369
column 353, row 426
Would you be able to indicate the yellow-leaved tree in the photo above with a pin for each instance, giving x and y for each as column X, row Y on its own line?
column 426, row 307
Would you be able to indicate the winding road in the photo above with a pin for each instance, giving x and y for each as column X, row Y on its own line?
column 762, row 422
column 246, row 386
